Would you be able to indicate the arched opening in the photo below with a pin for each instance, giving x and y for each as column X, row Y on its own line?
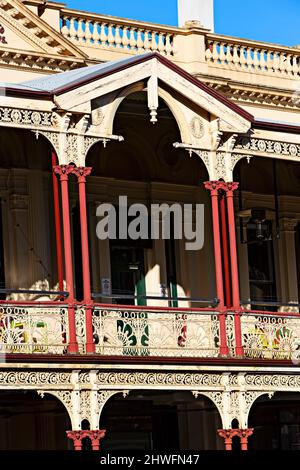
column 28, row 422
column 147, row 169
column 160, row 420
column 276, row 422
column 27, row 237
column 268, row 209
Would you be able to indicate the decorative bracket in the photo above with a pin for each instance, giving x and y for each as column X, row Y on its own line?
column 152, row 92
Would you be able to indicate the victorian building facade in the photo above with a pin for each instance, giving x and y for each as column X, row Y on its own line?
column 142, row 344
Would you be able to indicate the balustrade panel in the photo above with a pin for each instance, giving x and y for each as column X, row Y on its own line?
column 252, row 57
column 33, row 329
column 120, row 332
column 267, row 336
column 115, row 34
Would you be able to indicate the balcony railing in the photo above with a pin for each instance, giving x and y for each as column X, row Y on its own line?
column 156, row 333
column 271, row 335
column 117, row 34
column 119, row 331
column 251, row 56
column 33, row 328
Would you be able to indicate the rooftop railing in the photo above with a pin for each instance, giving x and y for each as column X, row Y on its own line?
column 119, row 34
column 134, row 37
column 252, row 56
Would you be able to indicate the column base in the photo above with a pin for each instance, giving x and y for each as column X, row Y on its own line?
column 239, row 352
column 90, row 348
column 224, row 352
column 72, row 348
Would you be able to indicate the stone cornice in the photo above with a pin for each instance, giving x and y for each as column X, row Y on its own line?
column 48, row 63
column 251, row 94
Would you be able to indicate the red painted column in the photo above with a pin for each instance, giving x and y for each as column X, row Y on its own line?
column 76, row 438
column 227, row 435
column 63, row 171
column 82, row 173
column 229, row 188
column 224, row 238
column 59, row 257
column 96, row 437
column 243, row 435
column 214, row 187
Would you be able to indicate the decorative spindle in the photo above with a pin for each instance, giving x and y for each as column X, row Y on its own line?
column 118, row 39
column 125, row 39
column 154, row 45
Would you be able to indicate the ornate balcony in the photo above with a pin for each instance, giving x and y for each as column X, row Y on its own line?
column 156, row 332
column 32, row 328
column 43, row 328
column 271, row 335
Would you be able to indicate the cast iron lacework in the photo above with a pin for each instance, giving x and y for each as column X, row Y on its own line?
column 33, row 330
column 140, row 333
column 270, row 337
column 268, row 146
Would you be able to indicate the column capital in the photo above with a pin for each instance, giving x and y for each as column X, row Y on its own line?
column 63, row 171
column 229, row 187
column 227, row 435
column 288, row 224
column 214, row 187
column 94, row 436
column 76, row 437
column 245, row 433
column 82, row 172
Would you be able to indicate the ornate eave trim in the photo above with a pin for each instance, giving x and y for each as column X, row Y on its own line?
column 268, row 148
column 13, row 58
column 256, row 95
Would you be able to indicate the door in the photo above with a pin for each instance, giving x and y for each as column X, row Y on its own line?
column 261, row 267
column 128, row 275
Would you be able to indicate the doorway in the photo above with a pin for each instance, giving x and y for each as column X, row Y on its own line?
column 128, row 275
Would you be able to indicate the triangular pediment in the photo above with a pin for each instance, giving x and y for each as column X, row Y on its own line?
column 102, row 87
column 75, row 91
column 22, row 30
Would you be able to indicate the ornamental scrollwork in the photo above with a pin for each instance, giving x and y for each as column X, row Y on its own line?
column 220, row 166
column 37, row 378
column 27, row 117
column 103, row 396
column 158, row 378
column 269, row 146
column 275, row 381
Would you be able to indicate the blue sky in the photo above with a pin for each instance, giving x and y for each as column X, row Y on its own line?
column 266, row 20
